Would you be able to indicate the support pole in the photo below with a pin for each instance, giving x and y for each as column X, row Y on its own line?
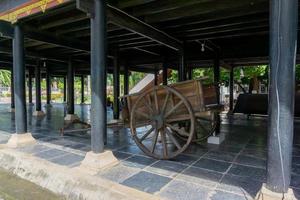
column 48, row 87
column 82, row 89
column 98, row 76
column 283, row 45
column 30, row 87
column 231, row 85
column 181, row 67
column 126, row 80
column 70, row 88
column 12, row 91
column 21, row 137
column 38, row 94
column 19, row 80
column 217, row 75
column 65, row 89
column 165, row 74
column 116, row 86
column 156, row 77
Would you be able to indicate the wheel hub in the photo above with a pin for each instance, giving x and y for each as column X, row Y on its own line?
column 159, row 121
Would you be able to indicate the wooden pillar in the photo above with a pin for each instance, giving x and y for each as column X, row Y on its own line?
column 65, row 89
column 283, row 45
column 98, row 76
column 156, row 77
column 19, row 80
column 38, row 94
column 12, row 91
column 116, row 78
column 216, row 83
column 126, row 80
column 48, row 86
column 70, row 88
column 181, row 67
column 165, row 73
column 82, row 89
column 231, row 86
column 30, row 86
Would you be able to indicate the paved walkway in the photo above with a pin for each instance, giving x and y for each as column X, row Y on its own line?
column 234, row 170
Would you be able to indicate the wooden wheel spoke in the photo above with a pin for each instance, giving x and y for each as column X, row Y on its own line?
column 180, row 131
column 173, row 139
column 146, row 134
column 203, row 119
column 146, row 103
column 155, row 100
column 154, row 141
column 142, row 114
column 173, row 109
column 179, row 118
column 165, row 103
column 164, row 144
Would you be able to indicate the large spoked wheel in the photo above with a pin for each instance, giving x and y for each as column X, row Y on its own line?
column 152, row 122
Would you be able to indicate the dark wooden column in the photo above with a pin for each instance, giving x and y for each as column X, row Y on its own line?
column 70, row 88
column 126, row 79
column 181, row 67
column 231, row 85
column 190, row 73
column 82, row 89
column 165, row 73
column 217, row 82
column 98, row 76
column 19, row 80
column 30, row 86
column 12, row 91
column 283, row 45
column 48, row 86
column 116, row 86
column 156, row 77
column 38, row 95
column 65, row 89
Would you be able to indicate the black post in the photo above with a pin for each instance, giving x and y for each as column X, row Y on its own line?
column 48, row 86
column 82, row 89
column 156, row 77
column 165, row 74
column 126, row 80
column 38, row 95
column 231, row 85
column 70, row 88
column 19, row 80
column 217, row 82
column 283, row 45
column 181, row 67
column 190, row 73
column 12, row 91
column 30, row 86
column 116, row 86
column 65, row 89
column 98, row 76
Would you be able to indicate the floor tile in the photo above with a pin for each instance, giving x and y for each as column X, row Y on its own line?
column 250, row 172
column 200, row 176
column 221, row 195
column 251, row 161
column 68, row 159
column 119, row 173
column 147, row 182
column 182, row 190
column 185, row 159
column 121, row 155
column 222, row 156
column 240, row 185
column 213, row 165
column 166, row 168
column 49, row 154
column 139, row 161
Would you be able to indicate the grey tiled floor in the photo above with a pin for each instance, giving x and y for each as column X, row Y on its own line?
column 234, row 170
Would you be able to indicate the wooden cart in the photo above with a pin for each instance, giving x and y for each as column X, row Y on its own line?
column 164, row 120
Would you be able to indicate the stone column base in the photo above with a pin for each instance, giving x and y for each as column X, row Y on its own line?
column 17, row 140
column 94, row 163
column 38, row 113
column 218, row 139
column 266, row 194
column 71, row 118
column 12, row 110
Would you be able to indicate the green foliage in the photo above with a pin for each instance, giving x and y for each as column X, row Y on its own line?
column 5, row 77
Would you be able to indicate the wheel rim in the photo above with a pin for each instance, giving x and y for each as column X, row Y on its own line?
column 156, row 109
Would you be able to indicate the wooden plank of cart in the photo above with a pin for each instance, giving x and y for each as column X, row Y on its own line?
column 164, row 120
